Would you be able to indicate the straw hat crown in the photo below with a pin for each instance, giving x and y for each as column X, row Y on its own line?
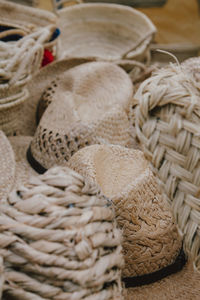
column 151, row 241
column 89, row 106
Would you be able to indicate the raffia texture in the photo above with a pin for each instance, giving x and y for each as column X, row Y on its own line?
column 7, row 163
column 183, row 285
column 192, row 65
column 89, row 106
column 105, row 31
column 59, row 240
column 125, row 177
column 167, row 125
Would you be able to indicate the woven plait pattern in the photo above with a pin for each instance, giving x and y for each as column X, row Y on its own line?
column 59, row 240
column 167, row 125
column 150, row 237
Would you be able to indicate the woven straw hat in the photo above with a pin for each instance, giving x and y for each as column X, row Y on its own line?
column 59, row 238
column 151, row 244
column 167, row 125
column 89, row 105
column 105, row 31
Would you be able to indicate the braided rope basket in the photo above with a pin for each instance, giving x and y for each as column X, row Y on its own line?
column 59, row 240
column 19, row 61
column 167, row 120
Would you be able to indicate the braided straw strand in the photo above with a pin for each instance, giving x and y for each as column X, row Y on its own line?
column 59, row 240
column 167, row 125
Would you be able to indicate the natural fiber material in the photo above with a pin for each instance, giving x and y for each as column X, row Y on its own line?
column 25, row 20
column 192, row 65
column 7, row 169
column 183, row 285
column 19, row 62
column 59, row 240
column 105, row 31
column 23, row 171
column 36, row 87
column 125, row 177
column 167, row 125
column 90, row 106
column 1, row 276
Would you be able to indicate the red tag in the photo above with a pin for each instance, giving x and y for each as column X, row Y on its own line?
column 47, row 58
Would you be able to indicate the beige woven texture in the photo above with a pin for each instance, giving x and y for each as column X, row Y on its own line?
column 151, row 240
column 59, row 240
column 183, row 285
column 90, row 106
column 167, row 125
column 192, row 65
column 105, row 31
column 7, row 169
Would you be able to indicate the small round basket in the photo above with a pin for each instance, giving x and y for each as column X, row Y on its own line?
column 167, row 119
column 105, row 31
column 59, row 240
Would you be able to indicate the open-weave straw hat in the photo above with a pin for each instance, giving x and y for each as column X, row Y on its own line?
column 105, row 31
column 88, row 105
column 59, row 240
column 167, row 120
column 155, row 267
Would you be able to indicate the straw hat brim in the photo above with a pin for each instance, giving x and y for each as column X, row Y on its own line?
column 23, row 171
column 183, row 285
column 37, row 86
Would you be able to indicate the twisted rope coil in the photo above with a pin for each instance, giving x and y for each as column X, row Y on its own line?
column 167, row 125
column 59, row 240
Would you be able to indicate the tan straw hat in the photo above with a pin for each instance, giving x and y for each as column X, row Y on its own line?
column 152, row 247
column 105, row 31
column 89, row 105
column 39, row 87
column 167, row 125
column 59, row 238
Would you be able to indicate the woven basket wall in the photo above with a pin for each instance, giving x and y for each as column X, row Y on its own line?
column 167, row 120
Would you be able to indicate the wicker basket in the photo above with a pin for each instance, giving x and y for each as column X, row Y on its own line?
column 105, row 31
column 167, row 125
column 59, row 240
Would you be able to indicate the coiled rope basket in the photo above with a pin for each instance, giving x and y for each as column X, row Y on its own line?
column 167, row 121
column 59, row 240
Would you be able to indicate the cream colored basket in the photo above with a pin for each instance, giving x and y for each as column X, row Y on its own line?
column 105, row 31
column 59, row 240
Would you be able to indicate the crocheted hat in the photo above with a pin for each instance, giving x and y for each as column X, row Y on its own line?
column 151, row 244
column 167, row 125
column 89, row 105
column 59, row 240
column 105, row 31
